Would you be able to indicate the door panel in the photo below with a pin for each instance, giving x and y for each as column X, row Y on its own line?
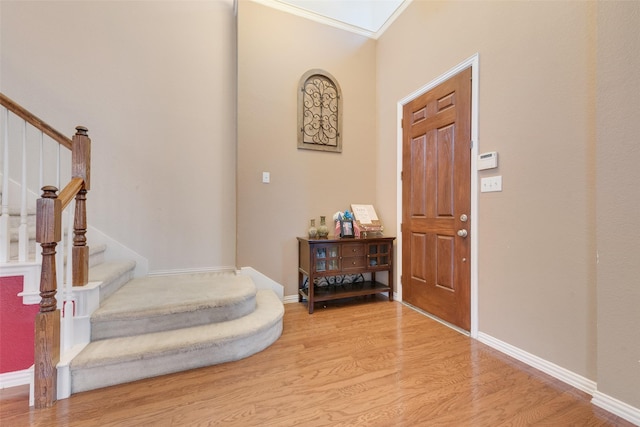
column 419, row 249
column 444, row 167
column 436, row 192
column 418, row 202
column 444, row 259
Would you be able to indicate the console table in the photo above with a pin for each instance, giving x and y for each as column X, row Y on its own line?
column 337, row 257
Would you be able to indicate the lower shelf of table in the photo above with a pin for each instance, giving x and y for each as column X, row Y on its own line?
column 331, row 292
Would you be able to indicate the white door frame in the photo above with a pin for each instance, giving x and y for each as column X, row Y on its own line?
column 472, row 62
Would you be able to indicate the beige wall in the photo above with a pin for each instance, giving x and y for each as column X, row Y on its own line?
column 274, row 50
column 155, row 84
column 618, row 160
column 537, row 84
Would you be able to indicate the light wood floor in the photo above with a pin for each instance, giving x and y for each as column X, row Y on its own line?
column 370, row 362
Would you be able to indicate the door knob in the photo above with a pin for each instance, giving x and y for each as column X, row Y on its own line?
column 462, row 233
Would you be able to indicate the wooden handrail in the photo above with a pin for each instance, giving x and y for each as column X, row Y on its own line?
column 70, row 191
column 19, row 111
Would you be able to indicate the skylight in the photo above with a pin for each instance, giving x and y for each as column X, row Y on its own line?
column 369, row 15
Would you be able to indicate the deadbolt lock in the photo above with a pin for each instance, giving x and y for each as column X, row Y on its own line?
column 464, row 218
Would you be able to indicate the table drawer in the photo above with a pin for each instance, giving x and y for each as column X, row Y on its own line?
column 353, row 263
column 352, row 250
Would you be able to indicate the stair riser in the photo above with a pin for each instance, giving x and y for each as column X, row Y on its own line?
column 115, row 361
column 152, row 366
column 108, row 289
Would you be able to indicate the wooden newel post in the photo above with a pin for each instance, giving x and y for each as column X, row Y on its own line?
column 47, row 324
column 80, row 251
column 81, row 167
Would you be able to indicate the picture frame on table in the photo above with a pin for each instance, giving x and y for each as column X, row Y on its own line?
column 346, row 228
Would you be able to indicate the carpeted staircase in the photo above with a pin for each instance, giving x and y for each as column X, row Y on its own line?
column 159, row 325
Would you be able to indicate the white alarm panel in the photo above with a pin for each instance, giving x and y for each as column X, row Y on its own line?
column 488, row 160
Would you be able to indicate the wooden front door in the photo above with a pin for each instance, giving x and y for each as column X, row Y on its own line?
column 436, row 201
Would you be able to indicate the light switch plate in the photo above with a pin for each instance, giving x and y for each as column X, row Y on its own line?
column 491, row 183
column 266, row 177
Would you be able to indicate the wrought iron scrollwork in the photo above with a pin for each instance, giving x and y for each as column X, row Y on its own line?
column 320, row 112
column 319, row 117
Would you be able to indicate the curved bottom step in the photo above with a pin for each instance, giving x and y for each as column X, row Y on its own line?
column 120, row 360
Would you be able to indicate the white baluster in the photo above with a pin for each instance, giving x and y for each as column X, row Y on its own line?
column 60, row 262
column 60, row 273
column 5, row 239
column 40, row 185
column 41, row 156
column 58, row 171
column 61, row 245
column 67, row 334
column 23, row 231
column 69, row 267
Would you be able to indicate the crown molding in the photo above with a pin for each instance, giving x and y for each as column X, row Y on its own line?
column 392, row 18
column 288, row 8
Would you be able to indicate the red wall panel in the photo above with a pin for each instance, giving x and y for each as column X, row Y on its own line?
column 16, row 327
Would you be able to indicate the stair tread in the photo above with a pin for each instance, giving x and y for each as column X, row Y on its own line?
column 107, row 270
column 269, row 310
column 163, row 295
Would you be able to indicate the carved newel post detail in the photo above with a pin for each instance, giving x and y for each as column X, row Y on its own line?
column 47, row 324
column 80, row 249
column 81, row 167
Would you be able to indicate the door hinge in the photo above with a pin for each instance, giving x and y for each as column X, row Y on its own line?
column 401, row 175
column 471, row 144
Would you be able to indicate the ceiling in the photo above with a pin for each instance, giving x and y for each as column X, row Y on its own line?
column 367, row 17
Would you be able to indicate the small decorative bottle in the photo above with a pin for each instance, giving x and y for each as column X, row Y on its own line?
column 323, row 230
column 313, row 231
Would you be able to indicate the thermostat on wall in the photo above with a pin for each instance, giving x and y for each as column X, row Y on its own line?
column 488, row 160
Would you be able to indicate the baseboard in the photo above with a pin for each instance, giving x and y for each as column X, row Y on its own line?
column 289, row 299
column 558, row 372
column 608, row 403
column 16, row 378
column 262, row 281
column 616, row 407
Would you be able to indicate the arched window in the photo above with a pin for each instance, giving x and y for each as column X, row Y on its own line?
column 319, row 112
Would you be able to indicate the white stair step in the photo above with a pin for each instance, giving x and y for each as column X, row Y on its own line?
column 119, row 360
